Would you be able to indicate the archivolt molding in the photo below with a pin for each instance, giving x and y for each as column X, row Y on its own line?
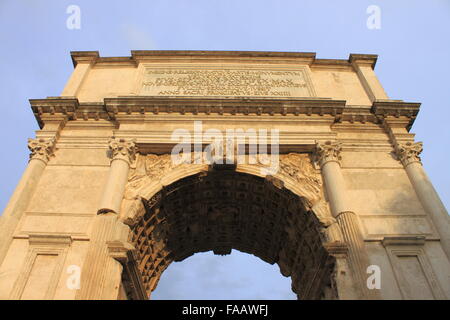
column 150, row 174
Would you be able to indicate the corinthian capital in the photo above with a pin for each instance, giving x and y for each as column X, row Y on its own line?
column 41, row 149
column 409, row 152
column 328, row 151
column 123, row 149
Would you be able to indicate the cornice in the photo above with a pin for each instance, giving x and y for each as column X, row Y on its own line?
column 404, row 241
column 404, row 112
column 357, row 114
column 53, row 107
column 84, row 56
column 357, row 58
column 222, row 105
column 195, row 53
column 134, row 108
column 139, row 55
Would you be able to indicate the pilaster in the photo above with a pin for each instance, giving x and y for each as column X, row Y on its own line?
column 363, row 65
column 83, row 63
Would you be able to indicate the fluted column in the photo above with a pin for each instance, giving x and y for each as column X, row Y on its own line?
column 101, row 273
column 409, row 154
column 41, row 151
column 328, row 157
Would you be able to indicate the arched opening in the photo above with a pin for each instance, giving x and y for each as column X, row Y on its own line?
column 223, row 210
column 239, row 276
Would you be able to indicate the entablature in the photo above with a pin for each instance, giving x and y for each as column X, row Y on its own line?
column 132, row 108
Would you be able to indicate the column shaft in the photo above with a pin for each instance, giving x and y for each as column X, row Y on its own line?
column 409, row 154
column 334, row 182
column 431, row 202
column 41, row 150
column 115, row 186
column 329, row 156
column 101, row 273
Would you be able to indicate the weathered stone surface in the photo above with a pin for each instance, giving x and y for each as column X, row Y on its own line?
column 102, row 199
column 224, row 210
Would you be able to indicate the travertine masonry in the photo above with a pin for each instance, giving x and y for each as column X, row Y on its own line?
column 102, row 200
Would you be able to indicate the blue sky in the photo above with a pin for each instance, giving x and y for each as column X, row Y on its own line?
column 413, row 45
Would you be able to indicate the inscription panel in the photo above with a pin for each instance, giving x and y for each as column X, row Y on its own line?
column 185, row 81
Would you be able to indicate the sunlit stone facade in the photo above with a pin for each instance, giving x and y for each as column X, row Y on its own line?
column 102, row 209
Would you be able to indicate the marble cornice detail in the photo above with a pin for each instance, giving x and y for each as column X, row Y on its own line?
column 404, row 113
column 53, row 108
column 357, row 58
column 223, row 106
column 84, row 56
column 357, row 114
column 135, row 107
column 137, row 56
column 138, row 106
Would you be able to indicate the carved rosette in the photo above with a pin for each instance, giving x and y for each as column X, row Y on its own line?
column 409, row 152
column 328, row 151
column 41, row 149
column 123, row 149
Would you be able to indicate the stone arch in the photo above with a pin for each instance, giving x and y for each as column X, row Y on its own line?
column 151, row 173
column 174, row 212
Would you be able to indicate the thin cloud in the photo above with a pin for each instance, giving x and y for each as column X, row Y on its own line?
column 137, row 38
column 235, row 276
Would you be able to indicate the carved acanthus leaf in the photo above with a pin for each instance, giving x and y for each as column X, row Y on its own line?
column 123, row 149
column 41, row 149
column 328, row 151
column 409, row 152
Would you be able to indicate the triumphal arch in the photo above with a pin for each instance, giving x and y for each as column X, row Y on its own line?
column 149, row 159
